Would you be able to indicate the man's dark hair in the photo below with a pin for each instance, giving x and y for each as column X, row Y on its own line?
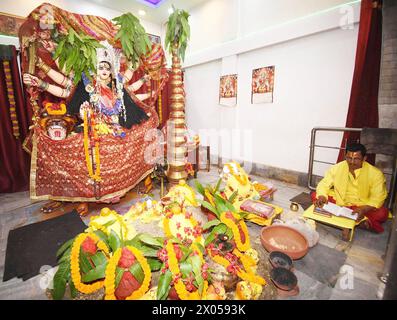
column 354, row 147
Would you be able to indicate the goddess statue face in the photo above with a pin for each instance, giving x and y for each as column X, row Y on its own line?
column 104, row 71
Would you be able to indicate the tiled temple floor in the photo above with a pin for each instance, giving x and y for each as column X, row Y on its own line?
column 364, row 255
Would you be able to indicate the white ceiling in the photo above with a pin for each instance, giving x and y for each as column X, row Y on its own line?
column 157, row 15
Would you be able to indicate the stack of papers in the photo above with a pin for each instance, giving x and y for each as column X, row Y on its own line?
column 333, row 209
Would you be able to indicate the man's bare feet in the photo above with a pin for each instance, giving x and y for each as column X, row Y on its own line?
column 364, row 225
column 51, row 206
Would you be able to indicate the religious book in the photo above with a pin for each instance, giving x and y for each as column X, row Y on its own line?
column 257, row 207
column 339, row 211
column 322, row 212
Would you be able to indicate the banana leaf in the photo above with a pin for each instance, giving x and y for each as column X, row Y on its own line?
column 99, row 258
column 137, row 271
column 119, row 275
column 85, row 265
column 95, row 274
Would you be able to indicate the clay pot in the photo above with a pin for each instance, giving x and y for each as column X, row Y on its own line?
column 284, row 239
column 280, row 260
column 283, row 279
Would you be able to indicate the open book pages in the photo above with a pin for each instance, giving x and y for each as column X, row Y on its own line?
column 339, row 211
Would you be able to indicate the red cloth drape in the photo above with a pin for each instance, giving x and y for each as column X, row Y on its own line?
column 14, row 161
column 363, row 105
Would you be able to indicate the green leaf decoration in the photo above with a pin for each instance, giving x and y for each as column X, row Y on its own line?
column 218, row 184
column 227, row 204
column 137, row 271
column 77, row 54
column 200, row 246
column 85, row 265
column 133, row 37
column 220, row 204
column 211, row 224
column 64, row 247
column 114, row 241
column 210, row 238
column 73, row 291
column 95, row 274
column 119, row 275
column 196, row 267
column 103, row 237
column 208, row 206
column 177, row 32
column 65, row 256
column 147, row 251
column 164, row 285
column 199, row 187
column 109, row 223
column 233, row 196
column 61, row 277
column 155, row 264
column 150, row 240
column 99, row 258
column 186, row 268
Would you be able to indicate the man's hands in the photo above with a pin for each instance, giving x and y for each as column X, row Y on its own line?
column 320, row 201
column 362, row 210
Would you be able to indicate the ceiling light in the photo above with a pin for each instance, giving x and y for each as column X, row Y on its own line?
column 141, row 12
column 170, row 10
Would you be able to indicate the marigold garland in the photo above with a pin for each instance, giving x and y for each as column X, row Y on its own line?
column 75, row 263
column 243, row 180
column 11, row 99
column 111, row 271
column 180, row 287
column 247, row 275
column 167, row 229
column 89, row 164
column 236, row 232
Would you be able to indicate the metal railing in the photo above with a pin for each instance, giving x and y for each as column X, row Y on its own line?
column 313, row 146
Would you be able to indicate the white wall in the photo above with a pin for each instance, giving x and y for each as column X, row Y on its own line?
column 314, row 62
column 24, row 7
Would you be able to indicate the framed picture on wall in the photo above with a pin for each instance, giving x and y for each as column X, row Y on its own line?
column 228, row 90
column 262, row 86
column 9, row 24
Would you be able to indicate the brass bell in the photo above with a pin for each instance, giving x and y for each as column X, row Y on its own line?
column 294, row 206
